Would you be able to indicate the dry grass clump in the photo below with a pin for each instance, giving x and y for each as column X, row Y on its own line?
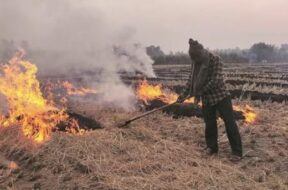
column 157, row 152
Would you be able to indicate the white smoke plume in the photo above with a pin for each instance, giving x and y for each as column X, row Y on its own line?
column 70, row 37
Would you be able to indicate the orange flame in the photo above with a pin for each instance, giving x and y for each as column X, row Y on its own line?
column 27, row 107
column 249, row 113
column 12, row 165
column 72, row 90
column 147, row 92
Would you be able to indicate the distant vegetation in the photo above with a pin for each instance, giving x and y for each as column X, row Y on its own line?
column 259, row 52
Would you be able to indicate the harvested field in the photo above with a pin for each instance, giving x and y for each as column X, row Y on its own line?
column 94, row 95
column 160, row 151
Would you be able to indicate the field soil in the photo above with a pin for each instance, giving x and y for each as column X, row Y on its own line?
column 157, row 152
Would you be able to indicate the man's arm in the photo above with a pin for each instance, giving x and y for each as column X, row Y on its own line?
column 188, row 87
column 216, row 78
column 201, row 79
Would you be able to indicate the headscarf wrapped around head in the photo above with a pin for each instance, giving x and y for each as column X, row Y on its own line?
column 196, row 50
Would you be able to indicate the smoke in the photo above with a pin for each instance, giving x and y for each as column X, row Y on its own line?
column 72, row 37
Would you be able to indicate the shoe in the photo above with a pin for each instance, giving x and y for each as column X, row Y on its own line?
column 235, row 158
column 210, row 151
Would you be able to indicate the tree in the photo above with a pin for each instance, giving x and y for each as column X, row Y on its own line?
column 284, row 47
column 263, row 52
column 283, row 53
column 154, row 51
column 232, row 55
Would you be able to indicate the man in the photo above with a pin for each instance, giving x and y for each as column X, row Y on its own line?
column 206, row 82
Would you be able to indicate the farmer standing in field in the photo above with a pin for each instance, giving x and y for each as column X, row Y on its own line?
column 206, row 82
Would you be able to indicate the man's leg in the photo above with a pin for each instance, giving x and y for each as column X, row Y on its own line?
column 211, row 133
column 226, row 112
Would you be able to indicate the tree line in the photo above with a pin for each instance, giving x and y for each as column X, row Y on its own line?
column 258, row 53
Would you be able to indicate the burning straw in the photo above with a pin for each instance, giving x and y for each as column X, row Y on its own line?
column 147, row 92
column 150, row 93
column 28, row 108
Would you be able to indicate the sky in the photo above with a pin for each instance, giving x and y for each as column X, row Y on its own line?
column 215, row 23
column 218, row 24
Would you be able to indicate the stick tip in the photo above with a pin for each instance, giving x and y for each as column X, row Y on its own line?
column 123, row 124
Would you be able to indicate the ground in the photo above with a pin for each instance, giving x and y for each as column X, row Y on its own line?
column 156, row 152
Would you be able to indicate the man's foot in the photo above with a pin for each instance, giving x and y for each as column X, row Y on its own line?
column 210, row 151
column 235, row 158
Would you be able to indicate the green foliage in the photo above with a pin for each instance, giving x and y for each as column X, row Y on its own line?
column 178, row 59
column 154, row 51
column 263, row 52
column 233, row 55
column 259, row 52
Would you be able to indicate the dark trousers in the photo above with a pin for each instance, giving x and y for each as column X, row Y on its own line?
column 225, row 110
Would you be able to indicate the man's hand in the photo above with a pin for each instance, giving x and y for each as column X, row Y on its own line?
column 181, row 98
column 197, row 100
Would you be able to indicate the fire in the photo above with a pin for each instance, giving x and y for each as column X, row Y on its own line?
column 12, row 165
column 249, row 113
column 72, row 90
column 147, row 92
column 27, row 107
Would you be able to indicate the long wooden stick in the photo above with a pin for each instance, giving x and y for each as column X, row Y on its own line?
column 145, row 114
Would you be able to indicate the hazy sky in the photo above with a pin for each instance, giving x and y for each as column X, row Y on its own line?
column 216, row 23
column 168, row 23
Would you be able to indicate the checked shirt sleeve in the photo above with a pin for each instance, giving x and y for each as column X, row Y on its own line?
column 216, row 78
column 187, row 89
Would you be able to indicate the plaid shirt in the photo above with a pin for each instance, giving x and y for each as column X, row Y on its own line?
column 213, row 89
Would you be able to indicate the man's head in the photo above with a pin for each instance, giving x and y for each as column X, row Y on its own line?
column 196, row 50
